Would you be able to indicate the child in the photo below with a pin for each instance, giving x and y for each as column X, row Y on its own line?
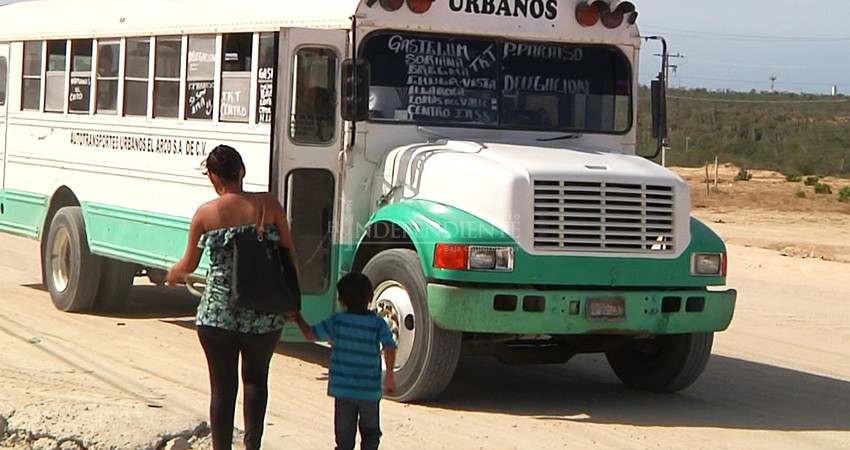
column 354, row 378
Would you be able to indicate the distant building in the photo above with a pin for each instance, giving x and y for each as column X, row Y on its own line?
column 834, row 91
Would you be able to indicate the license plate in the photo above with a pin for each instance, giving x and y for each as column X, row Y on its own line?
column 606, row 308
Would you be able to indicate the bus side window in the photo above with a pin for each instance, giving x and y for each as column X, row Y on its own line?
column 136, row 77
column 236, row 59
column 31, row 95
column 200, row 77
column 108, row 56
column 314, row 96
column 3, row 75
column 54, row 86
column 166, row 89
column 265, row 77
column 79, row 92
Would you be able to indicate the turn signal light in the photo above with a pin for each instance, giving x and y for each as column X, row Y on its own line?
column 451, row 256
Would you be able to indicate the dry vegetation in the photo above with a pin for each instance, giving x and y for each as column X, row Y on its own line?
column 770, row 212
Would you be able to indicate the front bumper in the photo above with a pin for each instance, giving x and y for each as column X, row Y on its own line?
column 564, row 312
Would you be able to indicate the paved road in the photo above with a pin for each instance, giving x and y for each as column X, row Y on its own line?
column 779, row 378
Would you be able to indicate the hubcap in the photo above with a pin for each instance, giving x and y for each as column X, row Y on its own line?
column 60, row 260
column 392, row 302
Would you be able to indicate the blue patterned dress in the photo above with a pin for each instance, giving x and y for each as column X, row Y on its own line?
column 215, row 308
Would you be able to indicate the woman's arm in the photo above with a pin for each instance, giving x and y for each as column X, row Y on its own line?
column 192, row 256
column 285, row 234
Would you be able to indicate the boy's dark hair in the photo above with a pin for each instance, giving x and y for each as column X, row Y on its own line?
column 355, row 291
column 225, row 162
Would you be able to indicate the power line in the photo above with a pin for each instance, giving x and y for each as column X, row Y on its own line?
column 746, row 37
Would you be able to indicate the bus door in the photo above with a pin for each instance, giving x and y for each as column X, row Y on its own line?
column 307, row 142
column 4, row 107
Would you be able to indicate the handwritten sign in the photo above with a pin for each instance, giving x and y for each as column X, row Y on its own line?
column 446, row 79
column 79, row 94
column 199, row 99
column 265, row 92
column 235, row 98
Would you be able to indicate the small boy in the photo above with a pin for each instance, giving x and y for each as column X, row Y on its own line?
column 354, row 378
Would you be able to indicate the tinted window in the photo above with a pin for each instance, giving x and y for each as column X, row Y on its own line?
column 498, row 83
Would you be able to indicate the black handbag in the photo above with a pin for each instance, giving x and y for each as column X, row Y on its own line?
column 264, row 276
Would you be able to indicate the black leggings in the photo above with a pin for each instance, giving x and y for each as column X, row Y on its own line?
column 222, row 349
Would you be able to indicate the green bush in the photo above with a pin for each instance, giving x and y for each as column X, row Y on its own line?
column 800, row 193
column 844, row 194
column 811, row 181
column 793, row 177
column 743, row 175
column 821, row 188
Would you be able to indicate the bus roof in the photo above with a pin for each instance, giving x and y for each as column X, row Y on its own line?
column 50, row 19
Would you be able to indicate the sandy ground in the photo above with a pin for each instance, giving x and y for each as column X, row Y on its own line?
column 779, row 377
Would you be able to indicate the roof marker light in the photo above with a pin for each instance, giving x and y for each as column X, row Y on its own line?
column 419, row 6
column 391, row 5
column 588, row 12
column 623, row 10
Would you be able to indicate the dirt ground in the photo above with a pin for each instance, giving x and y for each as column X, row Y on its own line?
column 779, row 377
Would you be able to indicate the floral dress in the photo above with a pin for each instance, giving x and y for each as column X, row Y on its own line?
column 215, row 308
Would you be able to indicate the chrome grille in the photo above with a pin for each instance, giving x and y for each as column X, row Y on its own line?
column 603, row 217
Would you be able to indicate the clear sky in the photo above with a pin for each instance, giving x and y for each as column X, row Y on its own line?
column 740, row 44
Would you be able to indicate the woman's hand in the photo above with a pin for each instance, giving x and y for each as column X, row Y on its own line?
column 174, row 277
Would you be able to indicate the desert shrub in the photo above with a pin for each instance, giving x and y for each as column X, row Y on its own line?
column 743, row 175
column 800, row 193
column 821, row 188
column 844, row 194
column 793, row 177
column 811, row 181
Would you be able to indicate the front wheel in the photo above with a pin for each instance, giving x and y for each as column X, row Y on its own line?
column 427, row 355
column 667, row 363
column 73, row 273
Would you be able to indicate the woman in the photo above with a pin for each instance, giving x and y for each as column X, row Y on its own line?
column 225, row 331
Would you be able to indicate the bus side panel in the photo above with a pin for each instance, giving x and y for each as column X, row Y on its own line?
column 148, row 238
column 22, row 212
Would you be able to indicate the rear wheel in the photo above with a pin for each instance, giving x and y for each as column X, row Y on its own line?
column 427, row 355
column 116, row 283
column 662, row 364
column 72, row 272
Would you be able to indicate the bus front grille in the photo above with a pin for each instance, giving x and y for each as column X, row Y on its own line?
column 603, row 217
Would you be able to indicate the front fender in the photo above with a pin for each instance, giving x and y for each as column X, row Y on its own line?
column 427, row 223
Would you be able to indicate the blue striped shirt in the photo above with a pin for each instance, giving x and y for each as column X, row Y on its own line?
column 355, row 369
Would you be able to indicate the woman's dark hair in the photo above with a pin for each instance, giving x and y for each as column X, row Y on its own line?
column 225, row 162
column 355, row 291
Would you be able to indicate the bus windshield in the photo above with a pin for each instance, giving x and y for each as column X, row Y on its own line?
column 497, row 83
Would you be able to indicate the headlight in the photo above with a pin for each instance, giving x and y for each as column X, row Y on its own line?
column 491, row 258
column 473, row 257
column 708, row 264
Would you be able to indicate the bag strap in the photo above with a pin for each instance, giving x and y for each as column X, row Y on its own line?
column 261, row 224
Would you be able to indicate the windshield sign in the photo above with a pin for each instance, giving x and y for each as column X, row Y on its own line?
column 497, row 83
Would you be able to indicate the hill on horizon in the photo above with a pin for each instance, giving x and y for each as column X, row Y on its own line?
column 801, row 134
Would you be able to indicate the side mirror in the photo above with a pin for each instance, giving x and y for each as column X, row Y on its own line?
column 355, row 89
column 659, row 110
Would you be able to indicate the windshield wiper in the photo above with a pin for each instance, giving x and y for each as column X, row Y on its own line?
column 559, row 138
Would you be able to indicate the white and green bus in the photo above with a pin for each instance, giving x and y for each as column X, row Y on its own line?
column 475, row 158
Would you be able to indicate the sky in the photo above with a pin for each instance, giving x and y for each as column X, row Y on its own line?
column 739, row 45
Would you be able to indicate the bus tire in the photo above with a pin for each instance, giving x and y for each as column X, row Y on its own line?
column 73, row 272
column 427, row 355
column 666, row 363
column 116, row 283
